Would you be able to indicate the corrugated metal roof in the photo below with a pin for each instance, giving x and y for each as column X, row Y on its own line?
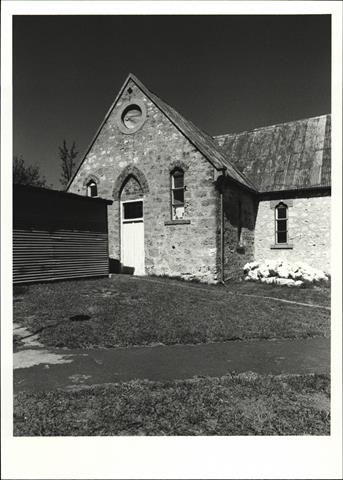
column 287, row 156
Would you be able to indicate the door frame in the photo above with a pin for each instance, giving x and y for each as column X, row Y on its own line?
column 135, row 220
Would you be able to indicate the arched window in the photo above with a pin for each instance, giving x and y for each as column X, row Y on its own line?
column 178, row 194
column 92, row 189
column 281, row 223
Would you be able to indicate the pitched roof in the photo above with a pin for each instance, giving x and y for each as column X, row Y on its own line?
column 288, row 156
column 202, row 141
column 293, row 155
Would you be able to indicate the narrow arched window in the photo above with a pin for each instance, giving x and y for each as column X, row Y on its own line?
column 281, row 223
column 178, row 194
column 92, row 189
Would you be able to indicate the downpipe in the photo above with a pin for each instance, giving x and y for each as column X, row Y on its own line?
column 222, row 236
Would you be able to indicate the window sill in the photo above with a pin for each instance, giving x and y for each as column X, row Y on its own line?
column 282, row 246
column 177, row 222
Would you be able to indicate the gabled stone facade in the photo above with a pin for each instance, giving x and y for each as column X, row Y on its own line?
column 187, row 249
column 226, row 222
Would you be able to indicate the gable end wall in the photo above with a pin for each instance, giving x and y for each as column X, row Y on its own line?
column 188, row 250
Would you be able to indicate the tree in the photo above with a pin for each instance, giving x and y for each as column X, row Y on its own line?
column 26, row 174
column 67, row 156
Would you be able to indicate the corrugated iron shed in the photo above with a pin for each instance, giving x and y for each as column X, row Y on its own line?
column 58, row 235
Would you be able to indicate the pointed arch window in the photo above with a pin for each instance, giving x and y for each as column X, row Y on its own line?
column 178, row 194
column 281, row 224
column 92, row 189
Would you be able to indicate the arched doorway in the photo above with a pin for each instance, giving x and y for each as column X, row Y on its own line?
column 132, row 255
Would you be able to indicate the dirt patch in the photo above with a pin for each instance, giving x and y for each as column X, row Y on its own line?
column 80, row 318
column 29, row 358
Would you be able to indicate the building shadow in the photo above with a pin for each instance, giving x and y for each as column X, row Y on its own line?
column 116, row 267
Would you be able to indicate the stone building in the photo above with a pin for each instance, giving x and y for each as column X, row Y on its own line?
column 190, row 205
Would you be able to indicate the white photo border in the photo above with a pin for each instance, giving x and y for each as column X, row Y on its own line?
column 168, row 457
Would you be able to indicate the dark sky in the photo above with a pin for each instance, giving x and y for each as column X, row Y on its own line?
column 225, row 73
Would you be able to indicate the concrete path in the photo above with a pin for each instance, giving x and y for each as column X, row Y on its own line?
column 39, row 368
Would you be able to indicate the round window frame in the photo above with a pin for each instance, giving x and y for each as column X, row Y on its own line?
column 131, row 103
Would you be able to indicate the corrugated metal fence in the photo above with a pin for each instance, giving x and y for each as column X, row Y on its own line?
column 57, row 235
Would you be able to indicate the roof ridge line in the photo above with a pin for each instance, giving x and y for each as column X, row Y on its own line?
column 271, row 126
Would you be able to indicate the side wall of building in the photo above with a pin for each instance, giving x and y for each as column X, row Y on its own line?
column 186, row 250
column 240, row 209
column 308, row 230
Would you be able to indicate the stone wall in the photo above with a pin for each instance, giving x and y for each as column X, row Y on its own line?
column 239, row 222
column 309, row 232
column 188, row 250
column 131, row 189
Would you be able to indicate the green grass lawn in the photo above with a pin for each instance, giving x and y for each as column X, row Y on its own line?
column 125, row 311
column 244, row 404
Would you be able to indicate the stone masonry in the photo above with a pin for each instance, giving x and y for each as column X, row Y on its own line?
column 309, row 232
column 188, row 249
column 131, row 189
column 139, row 165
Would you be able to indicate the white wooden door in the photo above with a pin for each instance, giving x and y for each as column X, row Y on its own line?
column 132, row 236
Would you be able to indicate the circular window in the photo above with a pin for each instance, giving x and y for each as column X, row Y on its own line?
column 131, row 116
